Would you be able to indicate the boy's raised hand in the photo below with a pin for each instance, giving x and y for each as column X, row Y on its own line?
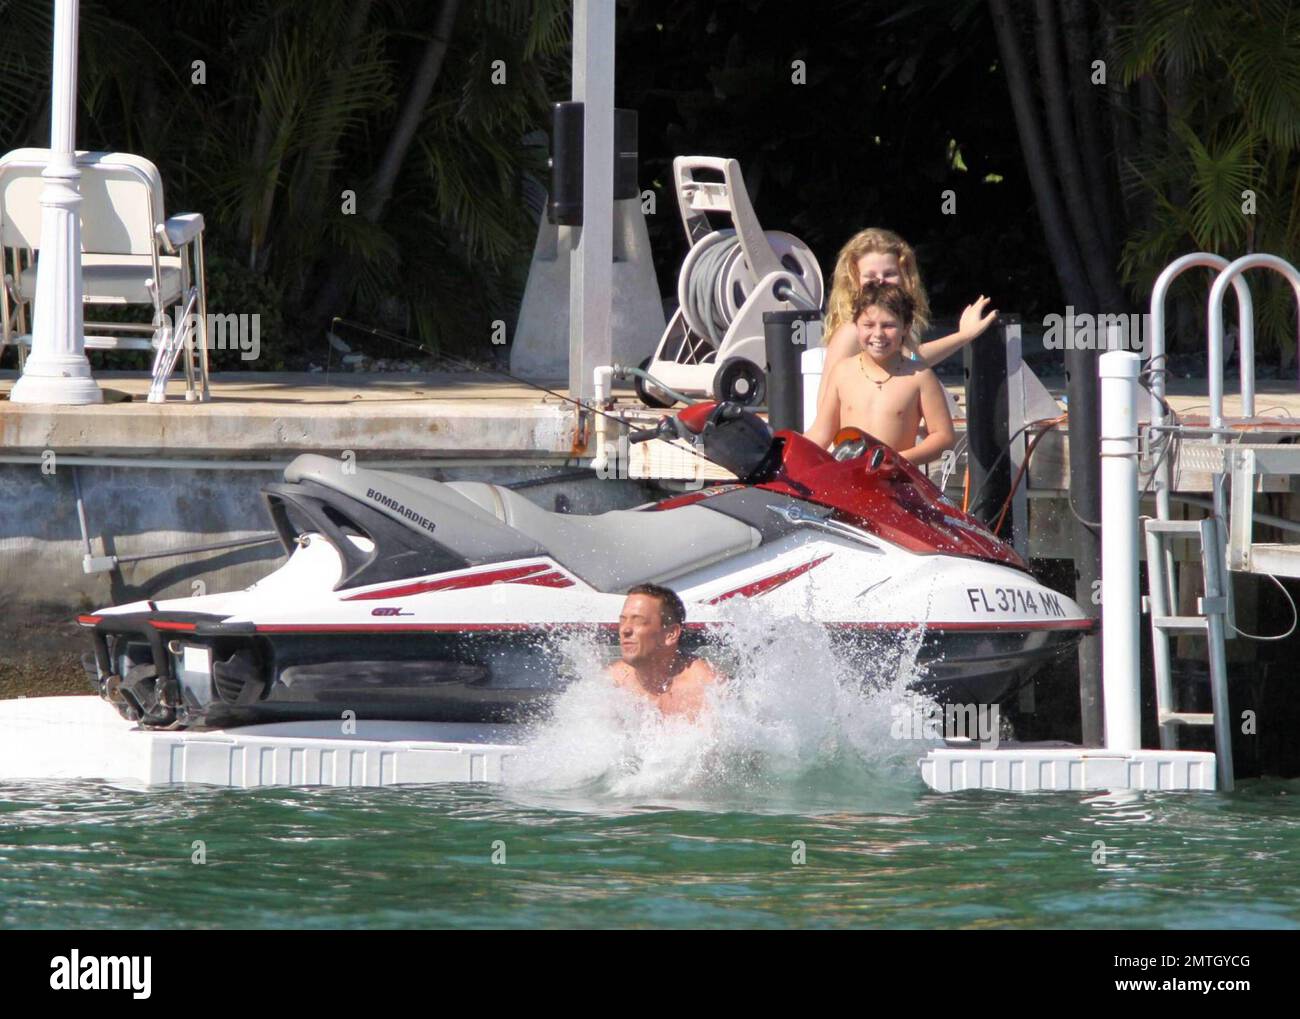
column 974, row 320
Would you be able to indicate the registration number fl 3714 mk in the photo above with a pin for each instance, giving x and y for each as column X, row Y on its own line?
column 1015, row 599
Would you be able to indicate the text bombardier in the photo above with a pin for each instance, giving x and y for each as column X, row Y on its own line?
column 397, row 507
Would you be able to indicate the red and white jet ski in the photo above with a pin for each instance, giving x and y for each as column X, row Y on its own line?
column 410, row 599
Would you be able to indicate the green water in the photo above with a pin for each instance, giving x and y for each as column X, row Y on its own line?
column 798, row 804
column 879, row 851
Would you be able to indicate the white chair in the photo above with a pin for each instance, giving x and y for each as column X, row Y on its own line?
column 131, row 255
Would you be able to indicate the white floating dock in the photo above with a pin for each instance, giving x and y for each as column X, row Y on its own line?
column 60, row 738
column 85, row 738
column 1067, row 769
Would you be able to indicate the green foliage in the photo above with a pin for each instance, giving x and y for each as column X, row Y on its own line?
column 304, row 98
column 302, row 101
column 1233, row 141
column 234, row 289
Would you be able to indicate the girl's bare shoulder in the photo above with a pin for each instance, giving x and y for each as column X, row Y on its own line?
column 844, row 339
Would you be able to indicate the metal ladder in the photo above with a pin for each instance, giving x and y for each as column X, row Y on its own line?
column 1242, row 464
column 1210, row 620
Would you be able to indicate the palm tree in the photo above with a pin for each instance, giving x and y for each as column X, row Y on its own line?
column 1223, row 175
column 263, row 114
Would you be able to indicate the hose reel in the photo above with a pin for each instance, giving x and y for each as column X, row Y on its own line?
column 714, row 345
column 715, row 281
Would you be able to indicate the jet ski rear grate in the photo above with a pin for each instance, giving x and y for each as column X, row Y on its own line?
column 238, row 679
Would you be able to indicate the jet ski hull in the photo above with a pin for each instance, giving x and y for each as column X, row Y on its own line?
column 409, row 599
column 215, row 676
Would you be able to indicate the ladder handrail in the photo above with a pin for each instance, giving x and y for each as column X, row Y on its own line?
column 1246, row 327
column 1229, row 276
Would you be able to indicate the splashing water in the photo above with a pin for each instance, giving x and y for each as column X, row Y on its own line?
column 799, row 720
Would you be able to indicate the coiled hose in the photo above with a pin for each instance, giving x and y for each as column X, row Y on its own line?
column 702, row 289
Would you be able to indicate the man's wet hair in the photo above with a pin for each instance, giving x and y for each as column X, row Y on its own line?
column 671, row 610
column 890, row 296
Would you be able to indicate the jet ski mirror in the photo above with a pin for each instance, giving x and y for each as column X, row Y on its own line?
column 850, row 443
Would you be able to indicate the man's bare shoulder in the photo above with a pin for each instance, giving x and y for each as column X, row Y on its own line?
column 701, row 673
column 619, row 672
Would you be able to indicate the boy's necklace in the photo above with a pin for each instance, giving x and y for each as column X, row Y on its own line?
column 862, row 363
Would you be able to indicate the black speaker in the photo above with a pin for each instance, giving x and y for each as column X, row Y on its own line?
column 565, row 205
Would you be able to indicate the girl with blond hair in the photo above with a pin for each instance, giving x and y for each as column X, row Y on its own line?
column 884, row 257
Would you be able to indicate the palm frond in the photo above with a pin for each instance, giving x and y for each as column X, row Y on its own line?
column 1221, row 172
column 1265, row 66
column 1172, row 35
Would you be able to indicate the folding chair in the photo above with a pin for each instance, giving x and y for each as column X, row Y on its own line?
column 131, row 255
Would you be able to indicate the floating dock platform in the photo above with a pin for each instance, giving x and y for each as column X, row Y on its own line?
column 68, row 738
column 1029, row 769
column 84, row 738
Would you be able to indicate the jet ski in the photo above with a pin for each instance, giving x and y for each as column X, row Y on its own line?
column 404, row 598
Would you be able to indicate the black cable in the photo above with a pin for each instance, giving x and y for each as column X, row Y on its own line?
column 1092, row 525
column 973, row 501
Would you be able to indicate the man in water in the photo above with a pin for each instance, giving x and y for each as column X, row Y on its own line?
column 653, row 666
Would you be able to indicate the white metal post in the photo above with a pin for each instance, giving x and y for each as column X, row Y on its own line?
column 1119, row 549
column 590, row 339
column 57, row 371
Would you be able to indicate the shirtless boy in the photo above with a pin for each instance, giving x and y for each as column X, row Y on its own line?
column 881, row 391
column 653, row 666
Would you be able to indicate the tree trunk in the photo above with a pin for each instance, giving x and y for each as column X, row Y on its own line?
column 399, row 144
column 404, row 131
column 1065, row 150
column 1060, row 242
column 1079, row 49
column 1184, row 298
column 1081, row 367
column 1119, row 109
column 248, row 214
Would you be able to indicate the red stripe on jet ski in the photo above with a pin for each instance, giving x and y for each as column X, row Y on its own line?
column 1016, row 625
column 425, row 627
column 89, row 620
column 768, row 583
column 1008, row 626
column 163, row 624
column 506, row 576
column 551, row 579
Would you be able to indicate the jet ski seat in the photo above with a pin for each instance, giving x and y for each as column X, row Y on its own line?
column 487, row 523
column 615, row 550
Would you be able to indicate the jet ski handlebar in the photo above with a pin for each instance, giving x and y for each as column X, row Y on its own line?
column 689, row 423
column 725, row 433
column 668, row 429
